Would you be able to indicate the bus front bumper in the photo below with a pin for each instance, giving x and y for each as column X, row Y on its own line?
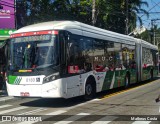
column 47, row 90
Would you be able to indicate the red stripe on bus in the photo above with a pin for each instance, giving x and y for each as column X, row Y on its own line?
column 33, row 33
column 55, row 32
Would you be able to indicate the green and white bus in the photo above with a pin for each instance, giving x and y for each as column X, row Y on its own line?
column 64, row 59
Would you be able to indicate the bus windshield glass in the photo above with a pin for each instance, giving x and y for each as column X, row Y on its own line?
column 32, row 52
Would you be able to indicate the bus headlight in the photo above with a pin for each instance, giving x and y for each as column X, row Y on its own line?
column 48, row 79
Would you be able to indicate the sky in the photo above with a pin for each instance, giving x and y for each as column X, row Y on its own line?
column 154, row 6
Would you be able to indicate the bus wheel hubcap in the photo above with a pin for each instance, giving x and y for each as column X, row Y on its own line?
column 88, row 89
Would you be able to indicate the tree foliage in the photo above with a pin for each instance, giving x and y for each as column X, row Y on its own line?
column 109, row 14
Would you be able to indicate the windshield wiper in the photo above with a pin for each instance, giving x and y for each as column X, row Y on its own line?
column 50, row 66
column 44, row 66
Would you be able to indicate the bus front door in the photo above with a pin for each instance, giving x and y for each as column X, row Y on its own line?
column 73, row 86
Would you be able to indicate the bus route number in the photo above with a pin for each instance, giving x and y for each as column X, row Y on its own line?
column 30, row 80
column 33, row 79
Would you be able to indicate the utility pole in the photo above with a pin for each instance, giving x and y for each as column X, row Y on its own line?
column 126, row 17
column 153, row 32
column 93, row 12
column 154, row 36
column 15, row 12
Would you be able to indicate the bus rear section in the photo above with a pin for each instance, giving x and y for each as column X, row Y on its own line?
column 149, row 61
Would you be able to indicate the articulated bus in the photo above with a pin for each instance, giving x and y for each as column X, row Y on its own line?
column 64, row 59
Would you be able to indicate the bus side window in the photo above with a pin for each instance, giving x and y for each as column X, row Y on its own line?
column 64, row 49
column 76, row 59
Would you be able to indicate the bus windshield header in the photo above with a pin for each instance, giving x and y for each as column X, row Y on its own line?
column 33, row 33
column 33, row 38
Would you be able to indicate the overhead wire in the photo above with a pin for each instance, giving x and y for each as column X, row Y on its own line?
column 156, row 4
column 154, row 8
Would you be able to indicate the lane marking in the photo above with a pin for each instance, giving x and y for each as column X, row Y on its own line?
column 72, row 118
column 56, row 112
column 33, row 111
column 14, row 109
column 123, row 91
column 103, row 120
column 4, row 106
column 141, row 122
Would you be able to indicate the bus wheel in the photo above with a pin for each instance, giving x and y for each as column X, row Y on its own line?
column 89, row 90
column 127, row 81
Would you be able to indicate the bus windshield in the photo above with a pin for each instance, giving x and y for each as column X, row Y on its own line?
column 32, row 52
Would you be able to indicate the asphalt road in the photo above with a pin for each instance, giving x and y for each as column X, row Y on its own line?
column 135, row 105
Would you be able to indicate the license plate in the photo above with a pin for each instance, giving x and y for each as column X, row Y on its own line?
column 24, row 94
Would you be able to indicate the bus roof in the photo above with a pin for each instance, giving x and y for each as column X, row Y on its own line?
column 81, row 29
column 148, row 45
column 46, row 26
column 78, row 28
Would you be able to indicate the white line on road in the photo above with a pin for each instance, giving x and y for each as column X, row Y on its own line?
column 141, row 122
column 4, row 106
column 14, row 109
column 103, row 120
column 72, row 118
column 56, row 112
column 33, row 111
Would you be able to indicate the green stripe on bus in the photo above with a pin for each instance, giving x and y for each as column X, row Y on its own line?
column 11, row 79
column 18, row 80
